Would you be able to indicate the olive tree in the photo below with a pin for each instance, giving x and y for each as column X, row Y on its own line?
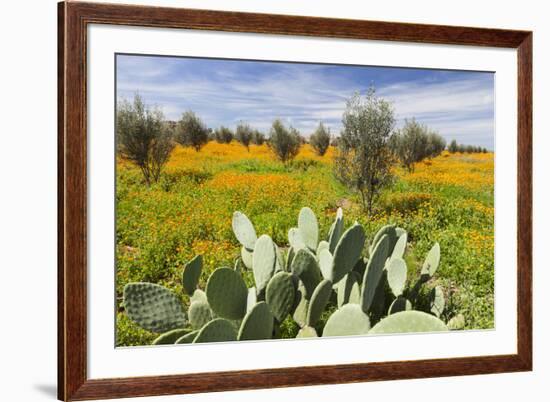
column 453, row 147
column 320, row 139
column 363, row 159
column 191, row 131
column 258, row 137
column 244, row 134
column 143, row 137
column 284, row 142
column 223, row 135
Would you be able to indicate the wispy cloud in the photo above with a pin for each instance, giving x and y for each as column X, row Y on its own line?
column 458, row 104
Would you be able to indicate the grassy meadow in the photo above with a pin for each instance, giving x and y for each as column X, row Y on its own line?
column 448, row 199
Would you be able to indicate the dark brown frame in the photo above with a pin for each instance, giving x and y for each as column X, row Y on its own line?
column 73, row 19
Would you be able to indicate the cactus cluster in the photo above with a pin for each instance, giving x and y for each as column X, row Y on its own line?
column 365, row 294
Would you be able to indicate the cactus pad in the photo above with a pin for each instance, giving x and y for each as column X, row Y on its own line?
column 170, row 337
column 399, row 304
column 264, row 260
column 409, row 321
column 257, row 324
column 217, row 330
column 244, row 230
column 246, row 257
column 309, row 228
column 325, row 263
column 323, row 244
column 431, row 262
column 226, row 293
column 437, row 301
column 302, row 306
column 318, row 302
column 199, row 314
column 191, row 274
column 349, row 290
column 400, row 246
column 198, row 295
column 456, row 323
column 347, row 320
column 187, row 338
column 307, row 332
column 347, row 252
column 251, row 299
column 373, row 272
column 153, row 307
column 305, row 266
column 388, row 230
column 280, row 294
column 397, row 275
column 336, row 231
column 296, row 239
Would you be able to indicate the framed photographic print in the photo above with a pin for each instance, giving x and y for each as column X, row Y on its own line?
column 253, row 200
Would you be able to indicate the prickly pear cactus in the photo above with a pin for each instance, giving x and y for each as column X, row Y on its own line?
column 431, row 262
column 309, row 228
column 302, row 305
column 390, row 232
column 457, row 322
column 187, row 338
column 296, row 239
column 264, row 260
column 257, row 324
column 280, row 294
column 191, row 274
column 349, row 290
column 305, row 266
column 227, row 293
column 373, row 272
column 307, row 332
column 199, row 314
column 325, row 263
column 217, row 330
column 400, row 246
column 170, row 337
column 251, row 299
column 318, row 302
column 346, row 321
column 323, row 245
column 198, row 295
column 397, row 275
column 409, row 321
column 246, row 257
column 244, row 230
column 347, row 252
column 153, row 307
column 437, row 301
column 336, row 230
column 399, row 304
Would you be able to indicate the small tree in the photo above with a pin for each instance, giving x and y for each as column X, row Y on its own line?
column 453, row 147
column 143, row 137
column 284, row 142
column 410, row 144
column 191, row 131
column 436, row 144
column 363, row 159
column 244, row 135
column 223, row 135
column 258, row 137
column 320, row 139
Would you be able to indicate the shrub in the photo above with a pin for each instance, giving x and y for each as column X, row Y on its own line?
column 191, row 131
column 258, row 137
column 284, row 142
column 363, row 159
column 453, row 147
column 223, row 135
column 244, row 135
column 143, row 137
column 320, row 140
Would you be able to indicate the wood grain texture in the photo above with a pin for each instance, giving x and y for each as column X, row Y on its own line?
column 73, row 19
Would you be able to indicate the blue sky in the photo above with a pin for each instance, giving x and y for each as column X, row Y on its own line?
column 458, row 104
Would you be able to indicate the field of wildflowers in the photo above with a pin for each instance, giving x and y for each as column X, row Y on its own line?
column 448, row 199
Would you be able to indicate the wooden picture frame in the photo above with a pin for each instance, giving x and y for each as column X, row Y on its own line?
column 73, row 382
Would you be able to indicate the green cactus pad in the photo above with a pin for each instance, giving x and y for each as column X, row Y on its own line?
column 360, row 266
column 400, row 246
column 399, row 304
column 325, row 263
column 244, row 230
column 296, row 239
column 305, row 266
column 373, row 272
column 431, row 262
column 280, row 261
column 280, row 294
column 199, row 314
column 191, row 274
column 153, row 307
column 246, row 257
column 347, row 252
column 307, row 332
column 198, row 295
column 251, row 299
column 456, row 323
column 187, row 338
column 346, row 321
column 170, row 337
column 302, row 306
column 226, row 293
column 289, row 257
column 323, row 244
column 257, row 324
column 336, row 231
column 263, row 262
column 388, row 230
column 309, row 228
column 217, row 330
column 349, row 290
column 437, row 301
column 397, row 275
column 318, row 302
column 409, row 321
